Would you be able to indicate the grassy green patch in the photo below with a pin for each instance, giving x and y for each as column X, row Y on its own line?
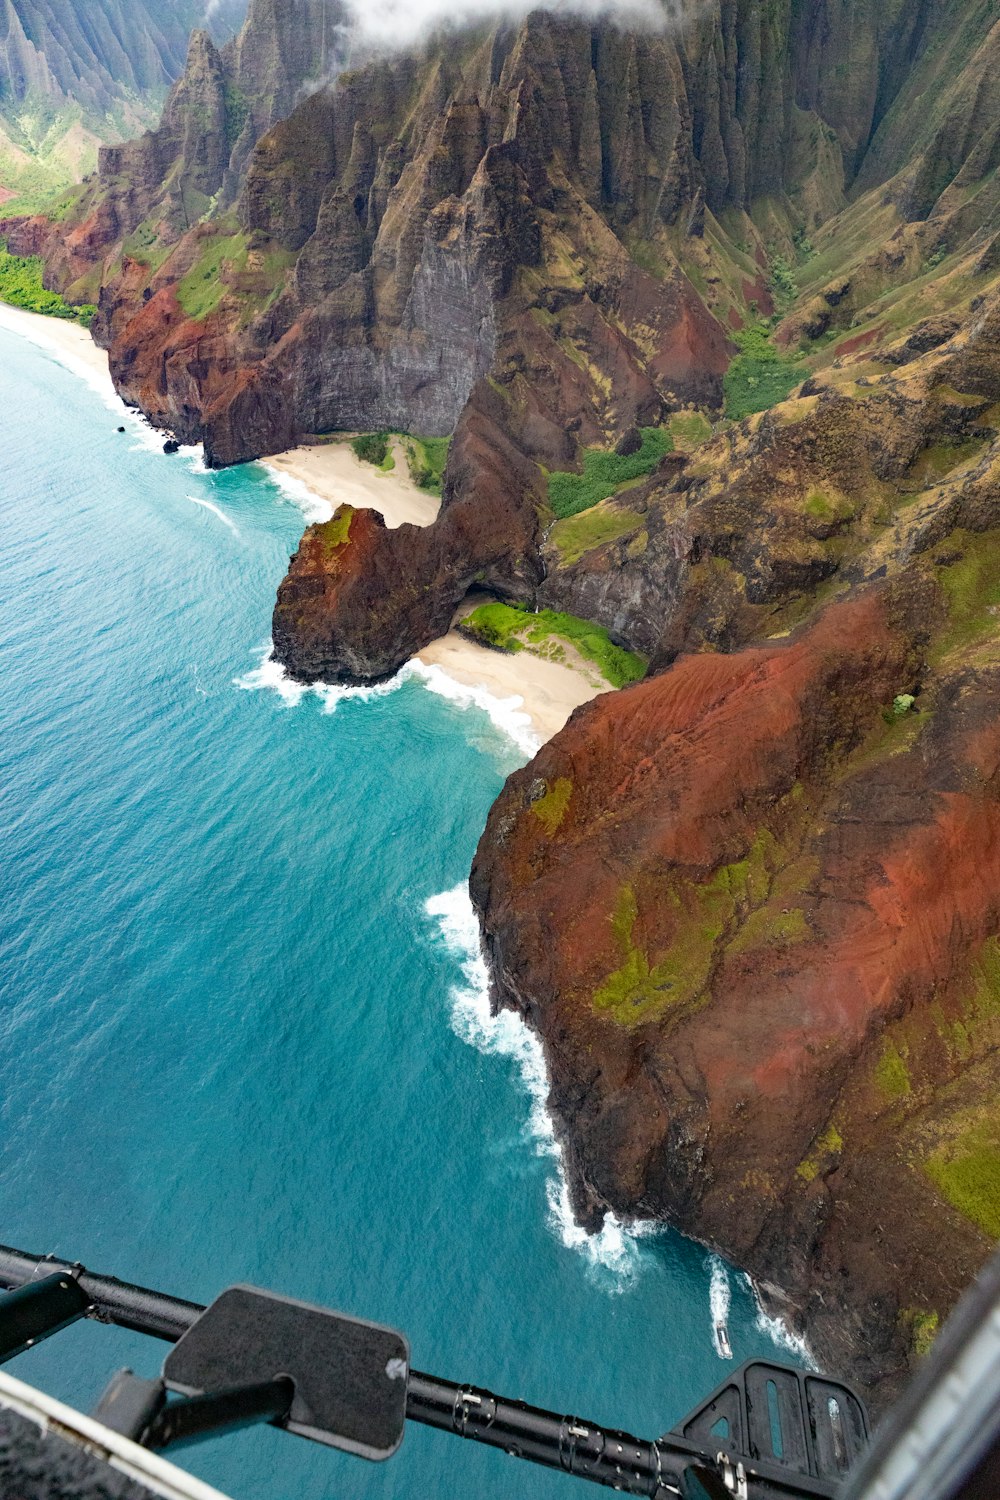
column 829, row 1145
column 766, row 926
column 337, row 531
column 604, row 472
column 509, row 628
column 21, row 286
column 759, row 377
column 203, row 288
column 144, row 245
column 551, row 808
column 703, row 914
column 891, row 1073
column 972, row 587
column 923, row 1330
column 818, row 505
column 637, row 990
column 689, row 429
column 591, row 528
column 372, row 448
column 967, row 1172
column 984, row 1005
column 938, row 460
column 427, row 458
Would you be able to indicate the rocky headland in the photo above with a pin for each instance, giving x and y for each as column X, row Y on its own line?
column 712, row 318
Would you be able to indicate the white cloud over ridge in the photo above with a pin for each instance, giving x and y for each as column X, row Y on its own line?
column 394, row 24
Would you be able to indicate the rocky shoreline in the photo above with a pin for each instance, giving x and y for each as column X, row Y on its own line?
column 750, row 903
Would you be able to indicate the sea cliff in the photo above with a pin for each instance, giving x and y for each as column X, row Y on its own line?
column 711, row 316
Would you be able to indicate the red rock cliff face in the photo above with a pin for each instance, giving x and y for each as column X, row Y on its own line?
column 722, row 897
column 750, row 904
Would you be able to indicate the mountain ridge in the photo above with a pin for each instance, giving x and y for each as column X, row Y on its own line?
column 772, row 237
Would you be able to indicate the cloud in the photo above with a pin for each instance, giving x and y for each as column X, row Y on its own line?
column 403, row 23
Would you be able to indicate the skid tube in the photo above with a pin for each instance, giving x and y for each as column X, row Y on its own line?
column 618, row 1460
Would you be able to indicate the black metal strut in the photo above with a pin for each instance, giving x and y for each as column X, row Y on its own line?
column 636, row 1466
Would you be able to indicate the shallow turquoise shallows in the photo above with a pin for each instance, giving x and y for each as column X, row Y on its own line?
column 236, row 1043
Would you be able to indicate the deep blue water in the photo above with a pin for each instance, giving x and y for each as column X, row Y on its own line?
column 234, row 1043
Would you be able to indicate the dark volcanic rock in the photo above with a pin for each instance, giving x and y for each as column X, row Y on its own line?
column 742, row 918
column 358, row 610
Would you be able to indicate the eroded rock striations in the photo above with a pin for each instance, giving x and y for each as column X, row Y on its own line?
column 750, row 903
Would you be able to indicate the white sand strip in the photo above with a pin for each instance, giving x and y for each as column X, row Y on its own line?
column 549, row 691
column 335, row 473
column 67, row 341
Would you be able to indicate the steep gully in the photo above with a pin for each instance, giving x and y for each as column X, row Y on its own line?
column 748, row 904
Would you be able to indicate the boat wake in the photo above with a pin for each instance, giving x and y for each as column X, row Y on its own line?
column 719, row 1301
column 209, row 505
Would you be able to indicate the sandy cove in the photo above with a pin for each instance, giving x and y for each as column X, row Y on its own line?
column 333, row 471
column 71, row 344
column 548, row 691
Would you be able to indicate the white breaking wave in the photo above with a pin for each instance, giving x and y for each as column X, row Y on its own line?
column 508, row 714
column 313, row 507
column 209, row 505
column 777, row 1330
column 616, row 1249
column 271, row 675
column 504, row 713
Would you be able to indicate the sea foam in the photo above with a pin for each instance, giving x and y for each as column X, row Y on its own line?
column 313, row 507
column 777, row 1330
column 616, row 1248
column 271, row 676
column 505, row 714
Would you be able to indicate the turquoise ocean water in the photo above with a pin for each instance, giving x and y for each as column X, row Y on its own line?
column 243, row 1034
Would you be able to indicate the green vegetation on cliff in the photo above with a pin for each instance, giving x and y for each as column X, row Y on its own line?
column 203, row 288
column 892, row 1074
column 970, row 576
column 689, row 429
column 337, row 531
column 550, row 809
column 737, row 908
column 638, row 990
column 923, row 1329
column 592, row 528
column 427, row 458
column 21, row 286
column 373, row 448
column 507, row 627
column 759, row 377
column 606, row 472
column 967, row 1172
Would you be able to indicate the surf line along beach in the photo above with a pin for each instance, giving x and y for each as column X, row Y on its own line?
column 333, row 475
column 549, row 690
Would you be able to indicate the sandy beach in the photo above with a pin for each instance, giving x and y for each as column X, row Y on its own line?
column 549, row 691
column 335, row 473
column 546, row 692
column 71, row 344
